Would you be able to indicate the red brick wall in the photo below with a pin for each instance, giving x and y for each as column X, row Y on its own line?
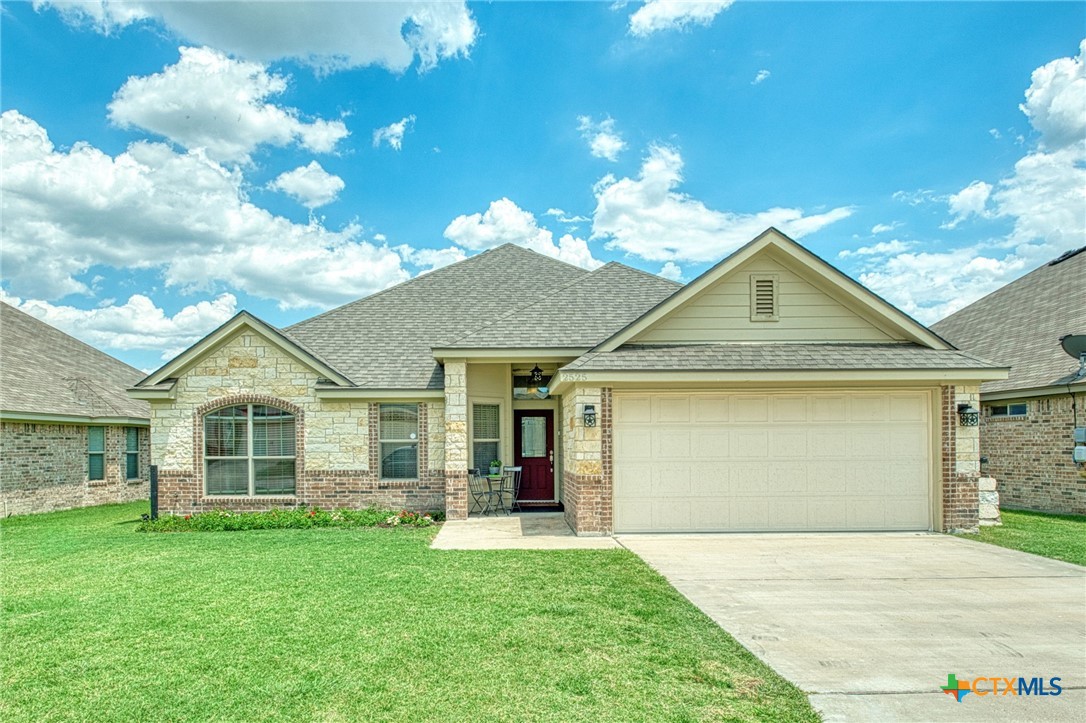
column 183, row 492
column 43, row 467
column 1030, row 456
column 961, row 495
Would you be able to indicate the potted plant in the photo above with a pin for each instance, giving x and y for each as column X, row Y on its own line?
column 495, row 466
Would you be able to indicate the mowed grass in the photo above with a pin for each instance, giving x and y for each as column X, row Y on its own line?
column 1061, row 537
column 103, row 623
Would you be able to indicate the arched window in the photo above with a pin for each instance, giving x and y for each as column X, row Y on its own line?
column 249, row 450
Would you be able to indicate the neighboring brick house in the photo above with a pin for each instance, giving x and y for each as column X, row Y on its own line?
column 771, row 393
column 70, row 436
column 1028, row 418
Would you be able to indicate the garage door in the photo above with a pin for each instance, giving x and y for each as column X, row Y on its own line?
column 795, row 461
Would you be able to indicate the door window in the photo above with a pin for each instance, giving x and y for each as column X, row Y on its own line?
column 533, row 437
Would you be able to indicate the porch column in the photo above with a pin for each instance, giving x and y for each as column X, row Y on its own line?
column 456, row 439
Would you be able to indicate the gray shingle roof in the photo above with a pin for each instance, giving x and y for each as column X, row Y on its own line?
column 45, row 371
column 775, row 357
column 1020, row 325
column 582, row 313
column 385, row 340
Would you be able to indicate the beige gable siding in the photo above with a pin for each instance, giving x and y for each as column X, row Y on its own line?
column 722, row 313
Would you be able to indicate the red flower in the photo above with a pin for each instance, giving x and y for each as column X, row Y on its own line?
column 312, row 513
column 188, row 517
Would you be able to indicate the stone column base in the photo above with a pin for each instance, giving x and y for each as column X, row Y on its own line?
column 989, row 502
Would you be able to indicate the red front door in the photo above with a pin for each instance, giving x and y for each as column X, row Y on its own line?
column 533, row 444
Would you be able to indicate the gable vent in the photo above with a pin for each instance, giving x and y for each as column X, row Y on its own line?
column 763, row 297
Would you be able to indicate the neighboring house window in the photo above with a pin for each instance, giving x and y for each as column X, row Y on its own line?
column 764, row 304
column 249, row 450
column 486, row 442
column 96, row 453
column 131, row 453
column 1009, row 410
column 399, row 434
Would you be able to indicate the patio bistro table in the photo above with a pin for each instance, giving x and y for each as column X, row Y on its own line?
column 497, row 484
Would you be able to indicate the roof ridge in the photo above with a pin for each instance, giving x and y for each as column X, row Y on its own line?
column 677, row 284
column 527, row 304
column 72, row 338
column 424, row 276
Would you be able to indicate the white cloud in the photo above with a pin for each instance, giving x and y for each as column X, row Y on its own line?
column 564, row 217
column 656, row 15
column 431, row 259
column 883, row 248
column 393, row 133
column 505, row 222
column 672, row 271
column 930, row 286
column 647, row 217
column 994, row 133
column 970, row 201
column 341, row 35
column 311, row 185
column 603, row 141
column 1044, row 196
column 1056, row 101
column 884, row 227
column 136, row 324
column 761, row 76
column 151, row 207
column 209, row 101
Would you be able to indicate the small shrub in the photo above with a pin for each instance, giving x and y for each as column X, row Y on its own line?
column 281, row 519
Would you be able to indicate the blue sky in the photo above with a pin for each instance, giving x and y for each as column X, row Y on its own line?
column 166, row 165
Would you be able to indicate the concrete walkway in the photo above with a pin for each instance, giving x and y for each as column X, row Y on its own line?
column 526, row 531
column 869, row 625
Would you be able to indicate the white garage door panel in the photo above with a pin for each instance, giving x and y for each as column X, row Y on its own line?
column 793, row 461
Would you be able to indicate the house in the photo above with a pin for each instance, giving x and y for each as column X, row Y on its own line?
column 771, row 393
column 1028, row 418
column 70, row 435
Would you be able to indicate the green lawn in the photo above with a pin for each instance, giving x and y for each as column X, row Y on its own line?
column 101, row 622
column 1062, row 537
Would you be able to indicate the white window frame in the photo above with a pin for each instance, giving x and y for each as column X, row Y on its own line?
column 249, row 456
column 1009, row 407
column 483, row 463
column 381, row 441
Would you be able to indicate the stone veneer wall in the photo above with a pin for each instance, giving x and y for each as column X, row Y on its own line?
column 337, row 441
column 456, row 440
column 43, row 467
column 961, row 461
column 586, row 477
column 1030, row 456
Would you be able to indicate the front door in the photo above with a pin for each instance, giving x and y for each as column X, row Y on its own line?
column 533, row 442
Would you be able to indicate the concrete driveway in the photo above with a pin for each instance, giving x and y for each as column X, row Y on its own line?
column 869, row 625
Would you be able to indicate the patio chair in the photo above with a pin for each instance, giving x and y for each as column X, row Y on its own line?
column 481, row 493
column 511, row 488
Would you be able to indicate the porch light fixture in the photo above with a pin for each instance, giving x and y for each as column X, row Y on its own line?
column 537, row 376
column 968, row 416
column 590, row 415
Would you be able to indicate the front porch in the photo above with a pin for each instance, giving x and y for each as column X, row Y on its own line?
column 502, row 410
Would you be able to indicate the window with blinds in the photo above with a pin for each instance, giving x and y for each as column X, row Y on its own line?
column 485, row 434
column 398, row 427
column 96, row 453
column 131, row 453
column 764, row 303
column 249, row 450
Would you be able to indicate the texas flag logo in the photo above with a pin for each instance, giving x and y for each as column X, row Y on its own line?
column 957, row 688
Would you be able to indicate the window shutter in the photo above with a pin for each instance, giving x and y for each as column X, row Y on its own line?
column 764, row 303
